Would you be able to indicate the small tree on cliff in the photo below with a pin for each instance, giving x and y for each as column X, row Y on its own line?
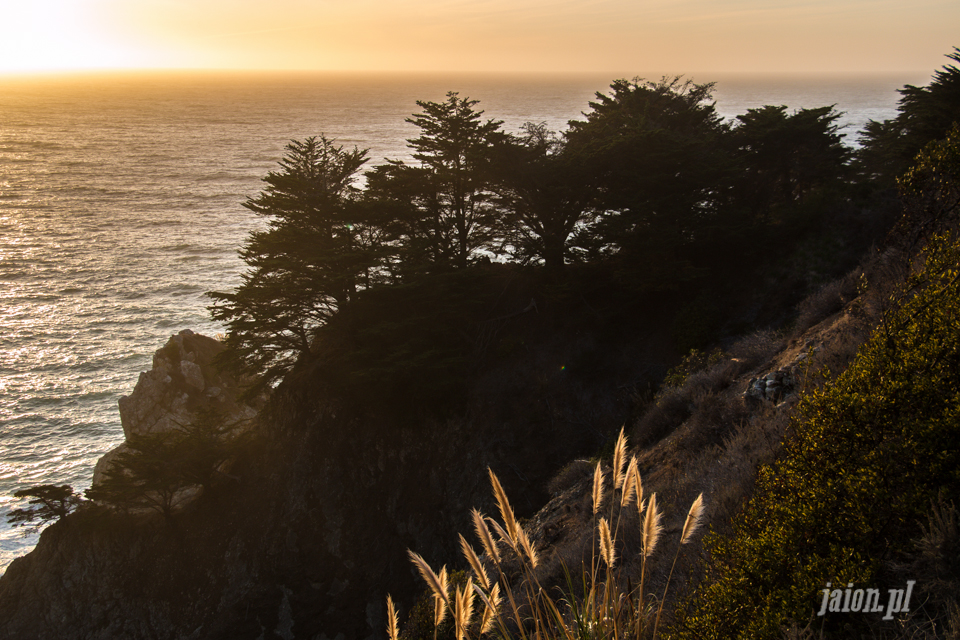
column 49, row 502
column 304, row 266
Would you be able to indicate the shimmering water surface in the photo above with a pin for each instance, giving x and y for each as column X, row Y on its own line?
column 120, row 206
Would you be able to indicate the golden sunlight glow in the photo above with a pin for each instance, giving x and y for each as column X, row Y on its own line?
column 480, row 35
column 53, row 35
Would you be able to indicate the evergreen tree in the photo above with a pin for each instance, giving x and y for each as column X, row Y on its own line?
column 924, row 114
column 155, row 468
column 316, row 251
column 784, row 157
column 445, row 214
column 546, row 195
column 652, row 148
column 48, row 502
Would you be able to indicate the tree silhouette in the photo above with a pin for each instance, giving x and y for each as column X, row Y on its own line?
column 783, row 157
column 652, row 149
column 305, row 265
column 924, row 114
column 50, row 502
column 155, row 468
column 444, row 207
column 546, row 194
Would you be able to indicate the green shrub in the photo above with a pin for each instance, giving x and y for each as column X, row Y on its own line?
column 692, row 363
column 870, row 452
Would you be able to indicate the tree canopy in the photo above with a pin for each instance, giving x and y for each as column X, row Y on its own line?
column 652, row 186
column 545, row 194
column 307, row 263
column 653, row 150
column 924, row 114
column 443, row 209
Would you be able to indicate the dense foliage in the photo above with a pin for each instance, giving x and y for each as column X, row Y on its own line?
column 307, row 264
column 157, row 471
column 925, row 114
column 653, row 187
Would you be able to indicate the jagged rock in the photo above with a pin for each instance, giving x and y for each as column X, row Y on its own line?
column 775, row 386
column 182, row 381
column 192, row 374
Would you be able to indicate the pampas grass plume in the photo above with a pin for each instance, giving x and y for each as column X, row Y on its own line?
column 503, row 535
column 638, row 488
column 693, row 520
column 437, row 583
column 475, row 563
column 597, row 489
column 619, row 458
column 443, row 602
column 464, row 609
column 651, row 526
column 506, row 511
column 629, row 482
column 606, row 544
column 528, row 548
column 392, row 621
column 492, row 608
column 484, row 534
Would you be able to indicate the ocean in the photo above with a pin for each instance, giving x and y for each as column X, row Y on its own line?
column 120, row 206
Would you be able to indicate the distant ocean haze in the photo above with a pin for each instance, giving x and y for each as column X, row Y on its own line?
column 120, row 206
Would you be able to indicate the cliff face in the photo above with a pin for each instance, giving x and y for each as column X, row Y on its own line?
column 324, row 497
column 313, row 531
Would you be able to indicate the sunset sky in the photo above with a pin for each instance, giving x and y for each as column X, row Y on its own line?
column 859, row 36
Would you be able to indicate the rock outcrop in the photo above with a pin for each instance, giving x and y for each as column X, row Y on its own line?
column 182, row 381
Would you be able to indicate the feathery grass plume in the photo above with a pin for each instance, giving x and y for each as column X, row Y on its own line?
column 484, row 534
column 491, row 609
column 475, row 563
column 506, row 511
column 606, row 544
column 629, row 482
column 464, row 609
column 639, row 491
column 442, row 603
column 503, row 535
column 597, row 489
column 392, row 621
column 689, row 527
column 437, row 583
column 651, row 526
column 528, row 548
column 692, row 522
column 619, row 457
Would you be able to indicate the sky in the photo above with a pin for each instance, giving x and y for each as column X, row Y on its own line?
column 541, row 36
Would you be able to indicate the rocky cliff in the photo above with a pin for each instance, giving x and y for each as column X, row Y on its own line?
column 325, row 500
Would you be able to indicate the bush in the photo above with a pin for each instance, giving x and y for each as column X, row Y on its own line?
column 693, row 362
column 870, row 451
column 826, row 301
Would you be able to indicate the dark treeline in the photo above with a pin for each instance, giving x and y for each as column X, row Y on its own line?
column 650, row 192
